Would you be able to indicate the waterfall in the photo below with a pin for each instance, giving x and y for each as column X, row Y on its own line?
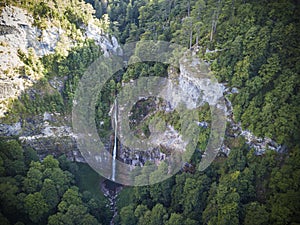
column 115, row 143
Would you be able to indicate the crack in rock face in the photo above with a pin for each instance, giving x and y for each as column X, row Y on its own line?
column 5, row 30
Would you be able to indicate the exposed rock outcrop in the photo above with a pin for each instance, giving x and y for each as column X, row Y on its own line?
column 259, row 144
column 192, row 86
column 17, row 33
column 10, row 130
column 49, row 134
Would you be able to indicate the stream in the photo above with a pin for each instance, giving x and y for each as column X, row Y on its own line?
column 111, row 191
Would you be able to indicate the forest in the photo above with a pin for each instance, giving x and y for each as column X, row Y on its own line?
column 47, row 192
column 250, row 45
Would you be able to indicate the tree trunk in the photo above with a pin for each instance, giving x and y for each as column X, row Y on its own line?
column 189, row 8
column 215, row 20
column 191, row 38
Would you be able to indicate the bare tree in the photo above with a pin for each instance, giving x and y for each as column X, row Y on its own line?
column 215, row 20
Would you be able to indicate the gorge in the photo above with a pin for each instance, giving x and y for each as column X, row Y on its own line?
column 97, row 127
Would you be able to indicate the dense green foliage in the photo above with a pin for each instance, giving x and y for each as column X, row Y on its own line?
column 69, row 15
column 251, row 45
column 240, row 189
column 256, row 45
column 33, row 192
column 71, row 67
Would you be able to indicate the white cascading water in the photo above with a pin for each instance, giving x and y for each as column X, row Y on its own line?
column 113, row 176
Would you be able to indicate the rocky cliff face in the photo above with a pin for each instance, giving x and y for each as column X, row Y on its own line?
column 48, row 133
column 17, row 33
column 188, row 80
column 194, row 75
column 193, row 87
column 51, row 136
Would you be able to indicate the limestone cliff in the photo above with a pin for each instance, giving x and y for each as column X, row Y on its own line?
column 49, row 133
column 19, row 35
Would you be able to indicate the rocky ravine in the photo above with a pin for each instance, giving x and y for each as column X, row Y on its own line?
column 46, row 135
